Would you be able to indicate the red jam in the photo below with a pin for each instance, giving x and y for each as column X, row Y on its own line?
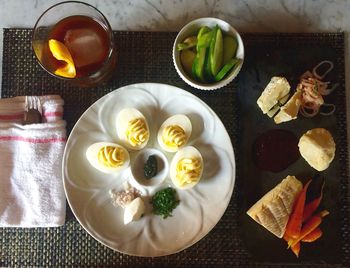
column 275, row 150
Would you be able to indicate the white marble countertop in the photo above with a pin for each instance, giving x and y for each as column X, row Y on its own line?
column 171, row 15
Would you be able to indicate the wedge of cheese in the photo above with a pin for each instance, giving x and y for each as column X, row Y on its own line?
column 317, row 147
column 273, row 210
column 290, row 110
column 134, row 210
column 276, row 89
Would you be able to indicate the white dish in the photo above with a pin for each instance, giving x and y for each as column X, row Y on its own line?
column 191, row 29
column 200, row 208
column 140, row 160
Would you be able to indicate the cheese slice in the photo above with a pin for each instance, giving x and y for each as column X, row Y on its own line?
column 290, row 110
column 317, row 147
column 273, row 111
column 273, row 210
column 276, row 89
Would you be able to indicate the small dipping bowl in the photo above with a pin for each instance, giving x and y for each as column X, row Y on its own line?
column 137, row 167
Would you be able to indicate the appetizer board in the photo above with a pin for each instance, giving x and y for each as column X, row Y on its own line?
column 290, row 58
column 145, row 56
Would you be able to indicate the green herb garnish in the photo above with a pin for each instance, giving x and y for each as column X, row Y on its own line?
column 151, row 167
column 164, row 201
column 315, row 89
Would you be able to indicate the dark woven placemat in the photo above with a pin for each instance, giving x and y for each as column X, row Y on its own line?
column 142, row 57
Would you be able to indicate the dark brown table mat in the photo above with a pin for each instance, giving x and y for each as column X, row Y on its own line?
column 142, row 57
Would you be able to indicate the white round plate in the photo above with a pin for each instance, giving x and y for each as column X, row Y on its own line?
column 200, row 208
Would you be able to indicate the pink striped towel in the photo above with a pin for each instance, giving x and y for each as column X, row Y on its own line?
column 31, row 185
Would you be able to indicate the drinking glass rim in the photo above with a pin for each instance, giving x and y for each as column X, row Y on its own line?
column 110, row 33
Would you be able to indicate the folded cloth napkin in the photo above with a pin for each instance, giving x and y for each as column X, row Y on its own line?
column 31, row 184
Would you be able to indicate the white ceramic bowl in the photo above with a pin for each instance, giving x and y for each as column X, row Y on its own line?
column 191, row 29
column 138, row 163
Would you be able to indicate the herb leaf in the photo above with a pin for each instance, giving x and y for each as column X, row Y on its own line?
column 151, row 167
column 164, row 202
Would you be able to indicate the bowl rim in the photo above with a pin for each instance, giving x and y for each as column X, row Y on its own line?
column 209, row 21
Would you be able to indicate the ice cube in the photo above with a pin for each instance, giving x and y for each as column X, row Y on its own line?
column 86, row 46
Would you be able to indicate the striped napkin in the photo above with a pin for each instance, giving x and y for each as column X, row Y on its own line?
column 31, row 184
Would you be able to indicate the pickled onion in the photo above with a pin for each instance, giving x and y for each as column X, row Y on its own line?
column 313, row 90
column 321, row 76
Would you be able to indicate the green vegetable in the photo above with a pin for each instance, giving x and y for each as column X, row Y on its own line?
column 151, row 167
column 226, row 69
column 189, row 42
column 209, row 56
column 187, row 57
column 203, row 37
column 164, row 202
column 230, row 48
column 203, row 42
column 208, row 76
column 216, row 51
column 198, row 64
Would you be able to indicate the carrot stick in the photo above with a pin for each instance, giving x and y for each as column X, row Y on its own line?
column 286, row 237
column 312, row 206
column 296, row 249
column 313, row 236
column 296, row 219
column 309, row 226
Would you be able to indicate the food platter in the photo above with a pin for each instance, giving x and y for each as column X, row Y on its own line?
column 200, row 208
column 262, row 63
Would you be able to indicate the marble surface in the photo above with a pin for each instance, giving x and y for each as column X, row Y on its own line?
column 171, row 15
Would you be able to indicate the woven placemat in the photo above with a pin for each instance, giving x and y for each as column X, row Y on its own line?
column 142, row 57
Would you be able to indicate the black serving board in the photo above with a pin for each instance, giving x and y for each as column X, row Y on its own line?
column 290, row 58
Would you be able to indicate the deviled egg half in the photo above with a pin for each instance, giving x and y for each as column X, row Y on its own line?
column 186, row 168
column 174, row 133
column 108, row 157
column 132, row 128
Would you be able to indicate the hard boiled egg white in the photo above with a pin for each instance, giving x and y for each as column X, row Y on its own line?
column 180, row 120
column 92, row 157
column 124, row 117
column 188, row 152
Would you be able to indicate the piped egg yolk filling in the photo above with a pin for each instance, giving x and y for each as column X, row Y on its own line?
column 111, row 156
column 60, row 52
column 188, row 170
column 174, row 136
column 137, row 132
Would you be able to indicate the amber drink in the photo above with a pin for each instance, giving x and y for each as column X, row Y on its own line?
column 74, row 41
